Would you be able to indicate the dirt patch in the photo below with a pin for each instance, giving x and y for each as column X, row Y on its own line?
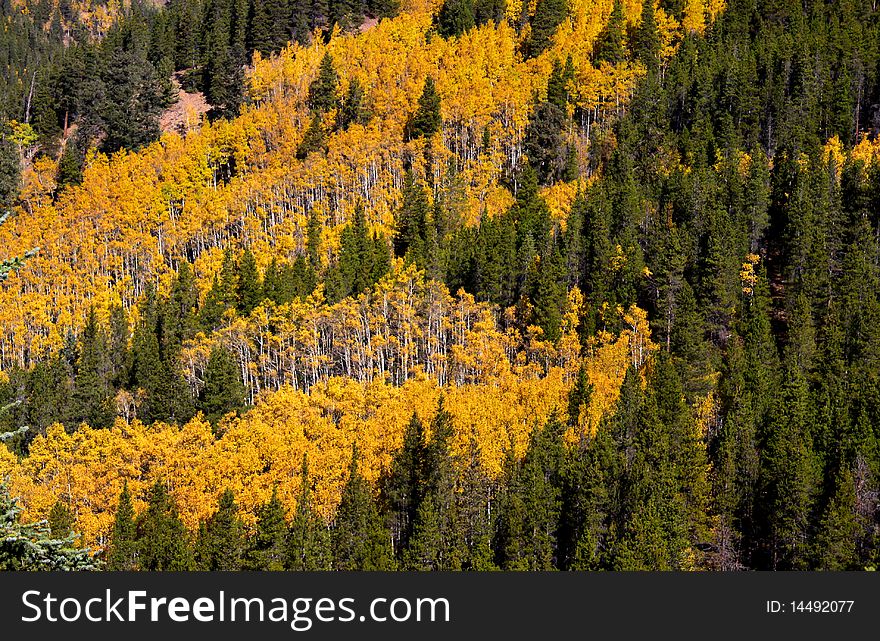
column 368, row 24
column 186, row 114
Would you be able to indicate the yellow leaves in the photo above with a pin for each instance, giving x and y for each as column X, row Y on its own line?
column 559, row 198
column 834, row 152
column 23, row 134
column 694, row 18
column 747, row 276
column 609, row 358
column 618, row 260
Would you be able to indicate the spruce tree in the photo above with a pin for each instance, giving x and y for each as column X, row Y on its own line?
column 220, row 542
column 91, row 398
column 308, row 540
column 427, row 120
column 610, row 45
column 313, row 140
column 354, row 109
column 647, row 48
column 548, row 15
column 60, row 520
column 359, row 539
column 32, row 547
column 122, row 551
column 249, row 288
column 162, row 539
column 268, row 549
column 455, row 18
column 322, row 90
column 435, row 542
column 223, row 391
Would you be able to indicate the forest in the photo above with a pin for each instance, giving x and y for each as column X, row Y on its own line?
column 440, row 285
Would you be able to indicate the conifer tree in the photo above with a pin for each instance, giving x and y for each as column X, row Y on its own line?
column 249, row 288
column 313, row 139
column 220, row 542
column 435, row 540
column 60, row 521
column 309, row 541
column 354, row 109
column 268, row 549
column 162, row 539
column 610, row 45
column 360, row 541
column 647, row 48
column 32, row 547
column 455, row 18
column 91, row 390
column 322, row 90
column 548, row 15
column 427, row 120
column 122, row 552
column 224, row 391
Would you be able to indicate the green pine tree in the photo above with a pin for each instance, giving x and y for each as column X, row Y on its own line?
column 121, row 553
column 220, row 543
column 162, row 540
column 308, row 540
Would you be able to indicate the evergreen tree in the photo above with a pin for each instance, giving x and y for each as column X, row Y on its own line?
column 427, row 120
column 548, row 15
column 455, row 18
column 220, row 542
column 309, row 541
column 268, row 549
column 223, row 391
column 359, row 540
column 31, row 546
column 313, row 139
column 435, row 541
column 647, row 48
column 249, row 288
column 610, row 45
column 354, row 109
column 122, row 552
column 91, row 397
column 162, row 540
column 60, row 521
column 322, row 90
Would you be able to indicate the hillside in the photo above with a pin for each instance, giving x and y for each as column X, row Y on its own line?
column 452, row 285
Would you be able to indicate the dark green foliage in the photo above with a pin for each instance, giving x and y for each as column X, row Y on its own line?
column 314, row 139
column 220, row 543
column 309, row 539
column 223, row 391
column 455, row 18
column 70, row 166
column 10, row 172
column 434, row 539
column 647, row 45
column 268, row 547
column 610, row 46
column 427, row 120
column 354, row 109
column 363, row 259
column 91, row 400
column 322, row 90
column 548, row 15
column 162, row 539
column 32, row 546
column 359, row 539
column 249, row 288
column 122, row 551
column 544, row 142
column 60, row 521
column 531, row 503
